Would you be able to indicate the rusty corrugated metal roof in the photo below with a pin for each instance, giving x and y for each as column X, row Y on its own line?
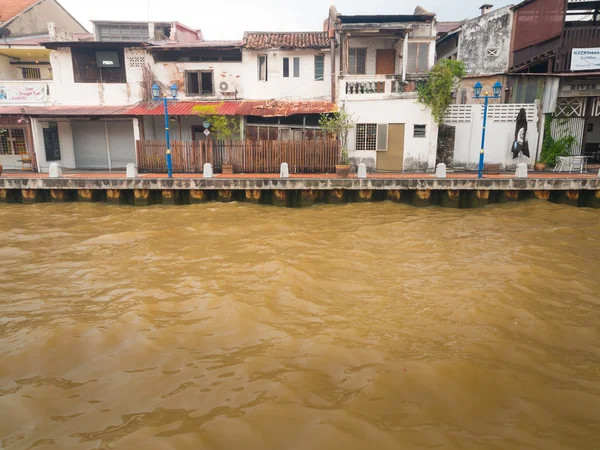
column 182, row 108
column 271, row 108
column 63, row 110
column 266, row 40
column 278, row 108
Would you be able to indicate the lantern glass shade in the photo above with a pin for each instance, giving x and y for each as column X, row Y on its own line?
column 174, row 90
column 497, row 88
column 155, row 90
column 477, row 88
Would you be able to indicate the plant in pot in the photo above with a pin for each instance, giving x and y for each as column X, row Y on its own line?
column 339, row 124
column 222, row 128
column 553, row 148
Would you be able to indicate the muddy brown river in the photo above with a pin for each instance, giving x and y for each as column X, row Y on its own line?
column 364, row 326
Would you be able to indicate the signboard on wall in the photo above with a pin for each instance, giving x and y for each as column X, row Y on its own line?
column 23, row 93
column 580, row 88
column 585, row 59
column 52, row 143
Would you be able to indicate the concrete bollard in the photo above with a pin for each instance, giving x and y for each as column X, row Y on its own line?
column 521, row 171
column 440, row 170
column 131, row 171
column 362, row 171
column 54, row 170
column 207, row 172
column 284, row 172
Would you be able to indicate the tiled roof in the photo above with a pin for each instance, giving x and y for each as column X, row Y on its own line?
column 267, row 40
column 9, row 9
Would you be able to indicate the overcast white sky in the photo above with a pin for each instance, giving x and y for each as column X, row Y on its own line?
column 228, row 19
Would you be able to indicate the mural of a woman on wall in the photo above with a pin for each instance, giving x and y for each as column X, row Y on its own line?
column 521, row 145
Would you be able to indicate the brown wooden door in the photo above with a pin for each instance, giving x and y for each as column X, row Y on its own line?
column 385, row 63
column 392, row 160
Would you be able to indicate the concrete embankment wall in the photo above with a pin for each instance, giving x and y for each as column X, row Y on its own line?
column 464, row 193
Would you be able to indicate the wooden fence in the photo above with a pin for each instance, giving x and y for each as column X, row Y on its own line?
column 246, row 156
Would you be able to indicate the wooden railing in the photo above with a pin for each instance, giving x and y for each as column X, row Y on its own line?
column 246, row 156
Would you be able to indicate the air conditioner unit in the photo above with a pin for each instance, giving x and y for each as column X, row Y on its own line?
column 227, row 85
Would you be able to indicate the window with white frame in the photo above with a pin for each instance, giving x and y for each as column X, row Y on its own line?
column 371, row 136
column 286, row 67
column 420, row 131
column 262, row 68
column 357, row 58
column 296, row 66
column 418, row 57
column 319, row 67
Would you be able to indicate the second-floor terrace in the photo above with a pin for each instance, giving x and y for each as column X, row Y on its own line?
column 25, row 71
column 382, row 55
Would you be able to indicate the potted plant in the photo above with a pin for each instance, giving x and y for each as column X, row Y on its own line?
column 339, row 124
column 539, row 166
column 222, row 128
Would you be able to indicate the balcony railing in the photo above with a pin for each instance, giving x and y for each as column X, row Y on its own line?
column 372, row 85
column 24, row 92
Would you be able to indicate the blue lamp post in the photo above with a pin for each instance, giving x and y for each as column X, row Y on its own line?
column 155, row 97
column 496, row 94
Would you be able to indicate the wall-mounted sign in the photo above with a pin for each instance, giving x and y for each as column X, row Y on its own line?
column 585, row 59
column 52, row 143
column 107, row 59
column 23, row 93
column 580, row 88
column 206, row 124
column 206, row 132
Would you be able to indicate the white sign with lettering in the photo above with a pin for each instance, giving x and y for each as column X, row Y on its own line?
column 585, row 59
column 23, row 93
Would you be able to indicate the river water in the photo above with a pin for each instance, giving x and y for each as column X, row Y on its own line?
column 363, row 326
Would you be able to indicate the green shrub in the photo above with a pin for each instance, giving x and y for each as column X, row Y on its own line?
column 553, row 148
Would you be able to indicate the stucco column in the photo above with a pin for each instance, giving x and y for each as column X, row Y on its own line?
column 404, row 56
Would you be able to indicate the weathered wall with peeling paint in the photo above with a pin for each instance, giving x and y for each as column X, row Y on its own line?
column 277, row 87
column 174, row 72
column 484, row 33
column 419, row 153
column 66, row 92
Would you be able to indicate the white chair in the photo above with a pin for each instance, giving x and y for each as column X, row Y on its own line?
column 562, row 163
column 578, row 162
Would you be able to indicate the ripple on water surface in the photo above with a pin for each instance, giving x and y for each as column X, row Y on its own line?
column 361, row 326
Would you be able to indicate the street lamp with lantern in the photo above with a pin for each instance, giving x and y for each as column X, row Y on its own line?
column 156, row 96
column 496, row 89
